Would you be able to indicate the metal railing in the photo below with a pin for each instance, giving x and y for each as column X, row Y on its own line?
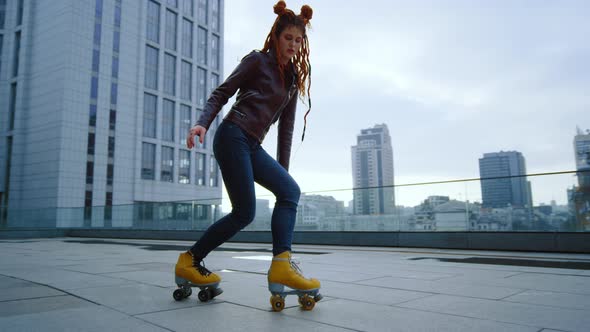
column 455, row 205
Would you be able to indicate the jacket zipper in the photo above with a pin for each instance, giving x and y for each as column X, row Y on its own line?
column 284, row 104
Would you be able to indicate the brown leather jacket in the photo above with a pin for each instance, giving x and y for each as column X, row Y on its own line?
column 262, row 100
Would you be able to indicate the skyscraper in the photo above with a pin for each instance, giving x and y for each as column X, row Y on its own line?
column 580, row 196
column 96, row 98
column 512, row 188
column 372, row 166
column 582, row 154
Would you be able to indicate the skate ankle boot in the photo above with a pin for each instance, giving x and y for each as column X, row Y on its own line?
column 283, row 273
column 190, row 271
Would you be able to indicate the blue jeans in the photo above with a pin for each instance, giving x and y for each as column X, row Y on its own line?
column 242, row 162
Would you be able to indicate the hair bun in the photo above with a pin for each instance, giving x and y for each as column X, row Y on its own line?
column 306, row 12
column 280, row 7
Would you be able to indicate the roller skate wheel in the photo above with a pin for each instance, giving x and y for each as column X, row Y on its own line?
column 307, row 302
column 205, row 295
column 277, row 302
column 318, row 297
column 216, row 292
column 178, row 295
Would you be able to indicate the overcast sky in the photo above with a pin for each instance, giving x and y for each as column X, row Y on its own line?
column 451, row 79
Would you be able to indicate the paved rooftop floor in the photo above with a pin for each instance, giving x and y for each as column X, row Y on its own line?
column 115, row 284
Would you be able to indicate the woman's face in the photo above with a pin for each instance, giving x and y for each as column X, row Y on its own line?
column 289, row 43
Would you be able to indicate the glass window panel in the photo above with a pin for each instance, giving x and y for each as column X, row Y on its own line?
column 201, row 86
column 97, row 33
column 185, row 122
column 116, row 41
column 213, row 181
column 203, row 12
column 186, row 81
column 16, row 54
column 184, row 167
column 202, row 46
column 95, row 60
column 170, row 41
column 215, row 52
column 187, row 38
column 114, row 93
column 148, row 161
column 168, row 121
column 200, row 169
column 112, row 119
column 188, row 7
column 94, row 87
column 149, row 115
column 115, row 67
column 169, row 74
column 151, row 67
column 118, row 15
column 167, row 171
column 92, row 114
column 2, row 13
column 215, row 17
column 214, row 82
column 1, row 42
column 111, row 146
column 153, row 22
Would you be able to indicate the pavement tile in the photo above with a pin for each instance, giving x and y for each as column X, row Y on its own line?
column 446, row 286
column 27, row 291
column 28, row 306
column 518, row 313
column 89, row 319
column 371, row 317
column 555, row 299
column 156, row 278
column 231, row 317
column 137, row 298
column 61, row 279
column 370, row 294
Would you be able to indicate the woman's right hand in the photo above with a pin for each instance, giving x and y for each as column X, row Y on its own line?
column 195, row 131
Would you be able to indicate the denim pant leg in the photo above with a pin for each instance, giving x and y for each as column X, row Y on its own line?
column 272, row 176
column 233, row 149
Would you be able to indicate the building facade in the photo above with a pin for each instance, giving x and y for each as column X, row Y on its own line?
column 582, row 154
column 508, row 186
column 96, row 98
column 580, row 195
column 372, row 172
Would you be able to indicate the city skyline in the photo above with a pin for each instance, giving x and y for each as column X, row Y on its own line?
column 451, row 79
column 437, row 133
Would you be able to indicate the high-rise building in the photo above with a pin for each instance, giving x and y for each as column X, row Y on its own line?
column 96, row 99
column 372, row 169
column 580, row 197
column 582, row 153
column 509, row 186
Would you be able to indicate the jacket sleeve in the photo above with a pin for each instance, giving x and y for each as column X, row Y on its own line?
column 228, row 88
column 285, row 135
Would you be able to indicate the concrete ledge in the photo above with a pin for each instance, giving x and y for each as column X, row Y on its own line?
column 32, row 233
column 447, row 240
column 572, row 242
column 515, row 241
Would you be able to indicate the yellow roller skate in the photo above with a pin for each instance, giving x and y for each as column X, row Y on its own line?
column 285, row 273
column 189, row 273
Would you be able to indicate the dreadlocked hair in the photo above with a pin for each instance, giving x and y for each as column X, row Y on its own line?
column 287, row 18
